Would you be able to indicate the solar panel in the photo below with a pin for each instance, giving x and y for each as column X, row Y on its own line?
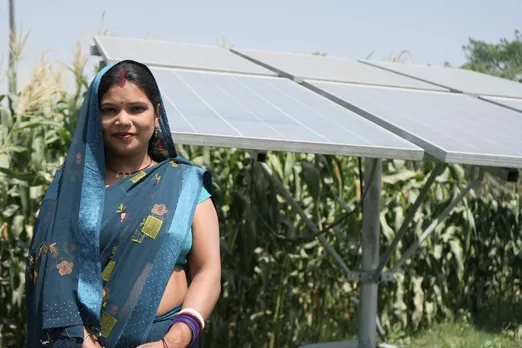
column 307, row 66
column 462, row 80
column 454, row 128
column 515, row 104
column 168, row 54
column 269, row 113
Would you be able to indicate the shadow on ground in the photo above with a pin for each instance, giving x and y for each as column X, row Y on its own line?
column 498, row 318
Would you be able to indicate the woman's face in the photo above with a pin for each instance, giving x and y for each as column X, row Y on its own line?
column 128, row 120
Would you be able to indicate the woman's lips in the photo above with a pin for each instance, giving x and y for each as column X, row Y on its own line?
column 124, row 136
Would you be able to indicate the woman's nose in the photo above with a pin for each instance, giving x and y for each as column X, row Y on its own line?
column 123, row 117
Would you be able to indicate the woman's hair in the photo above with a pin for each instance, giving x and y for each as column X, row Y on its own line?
column 134, row 73
column 141, row 77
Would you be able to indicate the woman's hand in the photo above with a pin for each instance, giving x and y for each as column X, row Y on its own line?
column 91, row 342
column 179, row 336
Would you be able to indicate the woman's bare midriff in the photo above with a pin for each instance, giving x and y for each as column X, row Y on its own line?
column 175, row 291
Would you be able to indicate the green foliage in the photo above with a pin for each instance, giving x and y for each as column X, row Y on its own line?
column 503, row 59
column 462, row 334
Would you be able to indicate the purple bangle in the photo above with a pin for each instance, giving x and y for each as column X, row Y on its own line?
column 191, row 322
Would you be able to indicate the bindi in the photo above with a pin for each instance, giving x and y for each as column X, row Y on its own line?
column 123, row 78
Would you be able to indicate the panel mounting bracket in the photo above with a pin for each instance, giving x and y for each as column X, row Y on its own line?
column 94, row 51
column 257, row 155
column 505, row 174
column 369, row 277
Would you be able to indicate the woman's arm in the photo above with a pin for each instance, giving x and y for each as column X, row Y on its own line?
column 205, row 270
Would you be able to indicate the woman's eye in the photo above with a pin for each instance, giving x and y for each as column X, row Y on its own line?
column 137, row 109
column 108, row 110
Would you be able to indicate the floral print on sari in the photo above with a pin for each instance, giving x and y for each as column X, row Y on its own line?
column 63, row 258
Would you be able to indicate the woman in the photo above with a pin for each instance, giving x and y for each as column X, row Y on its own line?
column 126, row 246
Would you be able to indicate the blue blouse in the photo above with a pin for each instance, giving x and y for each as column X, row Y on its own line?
column 182, row 259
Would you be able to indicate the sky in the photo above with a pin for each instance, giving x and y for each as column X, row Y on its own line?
column 433, row 31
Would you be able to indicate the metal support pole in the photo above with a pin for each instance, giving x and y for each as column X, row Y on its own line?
column 442, row 216
column 409, row 218
column 370, row 254
column 309, row 223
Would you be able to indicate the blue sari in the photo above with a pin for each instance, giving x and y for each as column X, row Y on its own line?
column 101, row 256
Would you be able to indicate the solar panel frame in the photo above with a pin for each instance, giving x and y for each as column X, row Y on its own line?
column 299, row 67
column 511, row 103
column 391, row 112
column 272, row 105
column 456, row 80
column 176, row 55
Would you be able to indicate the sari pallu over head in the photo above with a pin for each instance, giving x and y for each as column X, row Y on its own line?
column 116, row 291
